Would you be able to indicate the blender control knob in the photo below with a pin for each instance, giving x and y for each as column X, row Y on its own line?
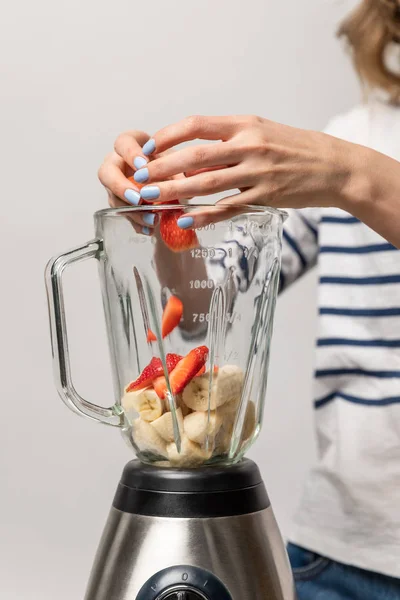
column 182, row 594
column 184, row 582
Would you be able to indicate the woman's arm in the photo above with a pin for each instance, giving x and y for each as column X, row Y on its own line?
column 274, row 165
column 372, row 193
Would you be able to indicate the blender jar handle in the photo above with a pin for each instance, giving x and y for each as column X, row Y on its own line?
column 59, row 336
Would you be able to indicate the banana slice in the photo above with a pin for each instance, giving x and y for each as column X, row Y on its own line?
column 147, row 439
column 227, row 387
column 198, row 426
column 224, row 437
column 164, row 425
column 145, row 402
column 249, row 421
column 191, row 454
column 178, row 402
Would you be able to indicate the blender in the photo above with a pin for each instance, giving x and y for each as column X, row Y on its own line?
column 189, row 318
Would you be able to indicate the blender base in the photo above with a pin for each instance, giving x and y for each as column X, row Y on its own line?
column 206, row 534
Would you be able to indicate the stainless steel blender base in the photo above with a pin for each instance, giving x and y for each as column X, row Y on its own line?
column 245, row 552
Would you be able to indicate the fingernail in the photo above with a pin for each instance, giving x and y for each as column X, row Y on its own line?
column 185, row 222
column 149, row 218
column 139, row 162
column 146, row 230
column 149, row 147
column 132, row 197
column 150, row 192
column 141, row 176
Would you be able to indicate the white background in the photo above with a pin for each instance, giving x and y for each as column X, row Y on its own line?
column 71, row 79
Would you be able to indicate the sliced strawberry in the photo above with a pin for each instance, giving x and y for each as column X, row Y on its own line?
column 154, row 369
column 160, row 387
column 203, row 370
column 172, row 360
column 174, row 237
column 151, row 336
column 187, row 368
column 172, row 315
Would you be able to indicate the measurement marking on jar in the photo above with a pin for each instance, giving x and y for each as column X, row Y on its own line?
column 232, row 355
column 201, row 317
column 247, row 252
column 209, row 227
column 202, row 284
column 205, row 317
column 203, row 253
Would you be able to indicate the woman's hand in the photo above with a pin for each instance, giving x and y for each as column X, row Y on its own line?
column 116, row 175
column 271, row 164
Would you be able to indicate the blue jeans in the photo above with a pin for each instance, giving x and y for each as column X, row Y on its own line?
column 318, row 578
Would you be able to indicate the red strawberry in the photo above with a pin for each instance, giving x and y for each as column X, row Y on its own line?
column 172, row 360
column 203, row 370
column 153, row 370
column 172, row 315
column 151, row 337
column 160, row 387
column 185, row 370
column 174, row 237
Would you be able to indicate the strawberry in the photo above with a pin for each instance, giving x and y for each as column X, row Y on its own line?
column 154, row 369
column 174, row 237
column 203, row 370
column 160, row 387
column 183, row 373
column 172, row 315
column 172, row 360
column 151, row 337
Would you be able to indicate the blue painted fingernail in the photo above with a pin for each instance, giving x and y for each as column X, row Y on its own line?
column 149, row 218
column 146, row 230
column 149, row 147
column 139, row 162
column 132, row 197
column 141, row 176
column 150, row 192
column 185, row 222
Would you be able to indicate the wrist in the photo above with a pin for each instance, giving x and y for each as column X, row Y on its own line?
column 355, row 189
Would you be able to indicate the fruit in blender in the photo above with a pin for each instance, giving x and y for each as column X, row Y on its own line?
column 177, row 239
column 183, row 373
column 172, row 315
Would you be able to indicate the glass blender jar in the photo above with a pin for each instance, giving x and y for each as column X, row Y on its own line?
column 189, row 318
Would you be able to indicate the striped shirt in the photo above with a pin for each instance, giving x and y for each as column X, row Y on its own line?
column 350, row 511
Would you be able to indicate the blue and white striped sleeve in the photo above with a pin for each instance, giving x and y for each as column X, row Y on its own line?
column 299, row 244
column 299, row 251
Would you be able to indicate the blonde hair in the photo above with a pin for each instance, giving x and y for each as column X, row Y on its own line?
column 368, row 31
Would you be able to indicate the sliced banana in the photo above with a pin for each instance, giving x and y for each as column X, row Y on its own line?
column 164, row 425
column 249, row 421
column 229, row 384
column 145, row 402
column 191, row 454
column 226, row 387
column 147, row 439
column 200, row 425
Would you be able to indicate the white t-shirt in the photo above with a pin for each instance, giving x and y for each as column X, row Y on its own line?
column 350, row 510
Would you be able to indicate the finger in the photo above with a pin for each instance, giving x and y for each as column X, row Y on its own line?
column 193, row 173
column 192, row 128
column 199, row 185
column 224, row 210
column 143, row 222
column 113, row 178
column 128, row 146
column 190, row 159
